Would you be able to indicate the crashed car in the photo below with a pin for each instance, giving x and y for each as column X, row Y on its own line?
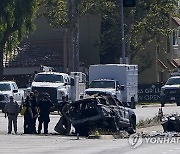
column 104, row 112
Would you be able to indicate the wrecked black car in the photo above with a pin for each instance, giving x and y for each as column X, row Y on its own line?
column 100, row 112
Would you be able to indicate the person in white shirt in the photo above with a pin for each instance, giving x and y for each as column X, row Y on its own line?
column 12, row 111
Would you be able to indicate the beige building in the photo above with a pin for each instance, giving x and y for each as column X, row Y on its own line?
column 165, row 57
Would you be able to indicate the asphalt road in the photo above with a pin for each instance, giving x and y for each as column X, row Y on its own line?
column 150, row 112
column 52, row 143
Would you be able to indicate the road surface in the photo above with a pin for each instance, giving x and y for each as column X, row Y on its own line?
column 21, row 143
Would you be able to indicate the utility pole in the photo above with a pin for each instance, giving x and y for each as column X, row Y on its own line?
column 122, row 34
column 124, row 3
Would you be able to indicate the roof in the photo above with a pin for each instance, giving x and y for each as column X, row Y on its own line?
column 177, row 20
column 56, row 73
column 176, row 62
column 7, row 82
column 162, row 64
column 104, row 80
column 171, row 63
column 28, row 55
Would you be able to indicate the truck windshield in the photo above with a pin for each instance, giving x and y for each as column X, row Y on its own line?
column 102, row 84
column 48, row 78
column 173, row 81
column 5, row 87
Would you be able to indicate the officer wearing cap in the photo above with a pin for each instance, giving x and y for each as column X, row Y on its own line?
column 44, row 106
column 12, row 110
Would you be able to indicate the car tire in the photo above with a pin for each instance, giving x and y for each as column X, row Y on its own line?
column 132, row 127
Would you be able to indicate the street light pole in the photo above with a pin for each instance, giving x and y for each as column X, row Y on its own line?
column 122, row 34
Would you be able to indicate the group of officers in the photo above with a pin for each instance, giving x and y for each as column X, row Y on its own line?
column 34, row 109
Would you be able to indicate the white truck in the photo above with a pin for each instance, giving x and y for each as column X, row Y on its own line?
column 120, row 80
column 57, row 85
column 10, row 88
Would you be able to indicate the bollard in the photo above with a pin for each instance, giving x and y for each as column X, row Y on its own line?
column 77, row 136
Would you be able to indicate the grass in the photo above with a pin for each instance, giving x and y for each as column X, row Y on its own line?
column 148, row 103
column 148, row 122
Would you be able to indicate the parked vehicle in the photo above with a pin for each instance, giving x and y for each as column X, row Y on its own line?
column 119, row 80
column 57, row 85
column 100, row 112
column 3, row 100
column 7, row 89
column 170, row 92
column 54, row 83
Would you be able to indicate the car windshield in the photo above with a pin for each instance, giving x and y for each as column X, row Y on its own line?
column 5, row 87
column 173, row 81
column 48, row 78
column 102, row 84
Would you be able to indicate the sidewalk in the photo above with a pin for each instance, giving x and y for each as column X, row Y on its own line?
column 155, row 105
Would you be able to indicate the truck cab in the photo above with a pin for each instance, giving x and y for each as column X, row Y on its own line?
column 54, row 83
column 104, row 86
column 170, row 92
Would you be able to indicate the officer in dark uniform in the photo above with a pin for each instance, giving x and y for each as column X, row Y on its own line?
column 62, row 104
column 44, row 105
column 34, row 102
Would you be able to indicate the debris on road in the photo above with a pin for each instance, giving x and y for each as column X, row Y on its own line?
column 171, row 123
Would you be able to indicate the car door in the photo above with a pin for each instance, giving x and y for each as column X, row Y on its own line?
column 16, row 94
column 118, row 91
column 124, row 112
column 118, row 110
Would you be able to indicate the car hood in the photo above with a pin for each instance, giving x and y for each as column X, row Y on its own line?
column 47, row 84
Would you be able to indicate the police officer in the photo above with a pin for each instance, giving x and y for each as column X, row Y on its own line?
column 34, row 102
column 44, row 105
column 12, row 110
column 28, row 116
column 62, row 104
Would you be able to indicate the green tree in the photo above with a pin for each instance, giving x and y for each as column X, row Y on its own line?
column 16, row 20
column 143, row 23
column 66, row 13
column 151, row 20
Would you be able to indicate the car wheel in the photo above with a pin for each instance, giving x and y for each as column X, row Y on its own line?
column 132, row 127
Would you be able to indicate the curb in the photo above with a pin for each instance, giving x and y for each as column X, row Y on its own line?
column 107, row 137
column 155, row 105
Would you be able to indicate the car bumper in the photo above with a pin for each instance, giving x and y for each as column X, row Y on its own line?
column 165, row 99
